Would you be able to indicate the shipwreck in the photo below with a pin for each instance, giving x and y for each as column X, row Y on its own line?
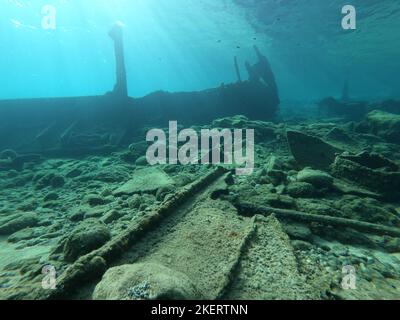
column 89, row 124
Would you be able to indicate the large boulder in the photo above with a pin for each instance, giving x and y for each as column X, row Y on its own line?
column 385, row 125
column 311, row 151
column 145, row 281
column 317, row 178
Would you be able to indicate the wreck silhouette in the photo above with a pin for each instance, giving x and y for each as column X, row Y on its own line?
column 99, row 124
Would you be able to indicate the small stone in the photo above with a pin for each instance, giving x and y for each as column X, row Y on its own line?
column 141, row 161
column 301, row 190
column 111, row 216
column 50, row 197
column 135, row 202
column 74, row 173
column 95, row 200
column 280, row 201
column 298, row 231
column 392, row 245
column 301, row 245
column 162, row 192
column 57, row 182
column 77, row 216
column 317, row 178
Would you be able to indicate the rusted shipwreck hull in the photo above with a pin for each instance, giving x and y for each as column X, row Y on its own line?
column 39, row 124
column 81, row 125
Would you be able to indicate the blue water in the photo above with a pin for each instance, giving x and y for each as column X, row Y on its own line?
column 184, row 45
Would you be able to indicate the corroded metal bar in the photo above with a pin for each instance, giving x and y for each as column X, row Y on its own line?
column 94, row 264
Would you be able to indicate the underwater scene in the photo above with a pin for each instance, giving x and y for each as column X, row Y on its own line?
column 223, row 150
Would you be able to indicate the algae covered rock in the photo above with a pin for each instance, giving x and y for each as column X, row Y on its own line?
column 88, row 236
column 317, row 178
column 300, row 190
column 13, row 223
column 49, row 180
column 95, row 200
column 141, row 161
column 145, row 180
column 112, row 215
column 367, row 209
column 279, row 201
column 384, row 124
column 145, row 281
column 297, row 231
column 24, row 234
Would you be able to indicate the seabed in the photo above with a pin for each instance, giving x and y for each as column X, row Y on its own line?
column 84, row 216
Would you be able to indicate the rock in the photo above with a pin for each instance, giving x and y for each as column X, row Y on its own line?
column 145, row 281
column 50, row 197
column 74, row 173
column 28, row 205
column 135, row 201
column 77, row 216
column 317, row 178
column 51, row 204
column 95, row 200
column 297, row 231
column 277, row 177
column 19, row 181
column 366, row 209
column 94, row 212
column 88, row 236
column 112, row 174
column 25, row 234
column 280, row 201
column 392, row 245
column 311, row 151
column 162, row 192
column 141, row 161
column 112, row 215
column 147, row 180
column 13, row 223
column 301, row 245
column 301, row 190
column 385, row 125
column 50, row 180
column 57, row 181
